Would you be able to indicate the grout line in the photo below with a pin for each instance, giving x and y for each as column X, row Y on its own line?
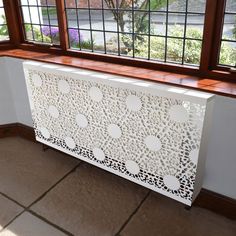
column 134, row 212
column 38, row 199
column 54, row 185
column 11, row 199
column 25, row 209
column 39, row 217
column 50, row 223
column 13, row 219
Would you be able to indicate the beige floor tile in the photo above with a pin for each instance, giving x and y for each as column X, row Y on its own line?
column 29, row 225
column 26, row 172
column 8, row 210
column 91, row 201
column 161, row 216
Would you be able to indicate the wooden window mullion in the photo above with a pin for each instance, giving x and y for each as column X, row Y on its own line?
column 219, row 22
column 62, row 24
column 14, row 22
column 208, row 35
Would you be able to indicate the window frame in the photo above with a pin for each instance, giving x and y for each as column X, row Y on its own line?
column 218, row 28
column 7, row 41
column 210, row 43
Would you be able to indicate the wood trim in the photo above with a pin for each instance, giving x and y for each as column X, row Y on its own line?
column 208, row 34
column 217, row 203
column 205, row 84
column 14, row 21
column 6, row 45
column 17, row 129
column 139, row 63
column 218, row 24
column 62, row 22
column 21, row 23
column 221, row 75
column 8, row 130
column 26, row 132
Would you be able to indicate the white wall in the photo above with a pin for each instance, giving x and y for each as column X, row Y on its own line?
column 220, row 174
column 7, row 107
column 19, row 92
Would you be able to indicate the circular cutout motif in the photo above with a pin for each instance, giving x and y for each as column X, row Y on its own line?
column 133, row 103
column 95, row 94
column 193, row 155
column 153, row 143
column 44, row 131
column 81, row 120
column 132, row 167
column 63, row 86
column 99, row 154
column 70, row 142
column 178, row 113
column 114, row 131
column 171, row 182
column 53, row 111
column 37, row 81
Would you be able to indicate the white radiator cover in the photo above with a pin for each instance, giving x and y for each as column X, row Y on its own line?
column 152, row 134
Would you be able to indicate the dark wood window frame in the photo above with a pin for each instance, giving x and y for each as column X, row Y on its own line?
column 5, row 41
column 209, row 55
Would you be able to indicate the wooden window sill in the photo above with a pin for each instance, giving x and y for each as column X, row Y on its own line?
column 181, row 80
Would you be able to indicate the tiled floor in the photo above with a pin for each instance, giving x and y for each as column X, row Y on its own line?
column 52, row 194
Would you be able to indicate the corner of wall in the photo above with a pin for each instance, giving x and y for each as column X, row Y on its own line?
column 18, row 87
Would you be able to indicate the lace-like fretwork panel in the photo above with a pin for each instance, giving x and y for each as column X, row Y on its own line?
column 151, row 139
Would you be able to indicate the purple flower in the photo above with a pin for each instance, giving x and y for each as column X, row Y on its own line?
column 75, row 36
column 53, row 32
column 50, row 31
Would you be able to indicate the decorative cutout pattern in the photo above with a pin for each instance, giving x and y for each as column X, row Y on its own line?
column 128, row 132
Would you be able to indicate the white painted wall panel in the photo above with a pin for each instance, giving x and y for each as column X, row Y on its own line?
column 220, row 174
column 19, row 92
column 7, row 107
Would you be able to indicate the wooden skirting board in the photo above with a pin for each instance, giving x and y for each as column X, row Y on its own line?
column 206, row 199
column 17, row 129
column 216, row 202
